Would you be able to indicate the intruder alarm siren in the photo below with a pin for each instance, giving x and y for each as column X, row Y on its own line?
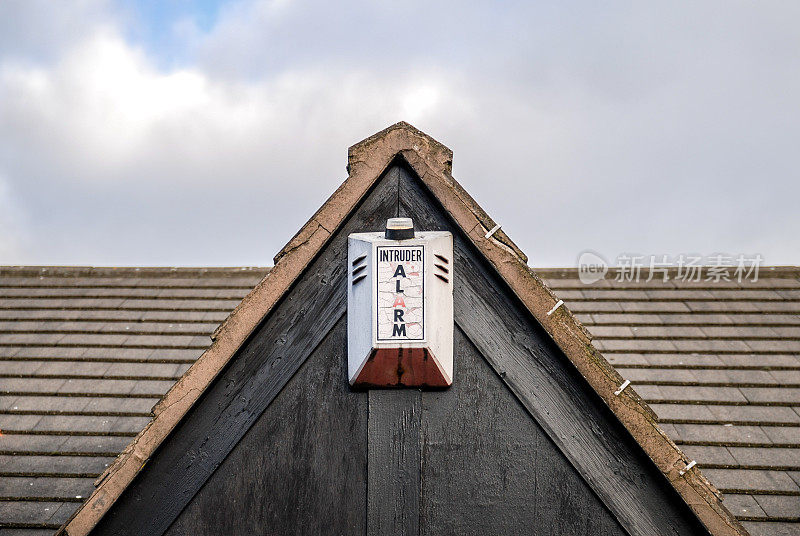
column 400, row 307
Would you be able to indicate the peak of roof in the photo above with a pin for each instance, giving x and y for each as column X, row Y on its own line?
column 369, row 158
column 400, row 136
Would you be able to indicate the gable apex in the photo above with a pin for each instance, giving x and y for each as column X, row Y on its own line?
column 377, row 149
column 369, row 158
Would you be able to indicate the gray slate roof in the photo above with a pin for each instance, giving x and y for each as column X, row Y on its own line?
column 719, row 363
column 86, row 352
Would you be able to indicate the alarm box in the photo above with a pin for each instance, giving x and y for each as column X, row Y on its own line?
column 400, row 307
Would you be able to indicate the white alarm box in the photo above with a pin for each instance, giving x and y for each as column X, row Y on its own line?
column 400, row 307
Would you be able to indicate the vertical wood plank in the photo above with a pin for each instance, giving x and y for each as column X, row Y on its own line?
column 393, row 466
column 290, row 475
column 488, row 468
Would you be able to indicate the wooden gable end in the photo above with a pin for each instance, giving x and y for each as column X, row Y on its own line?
column 279, row 443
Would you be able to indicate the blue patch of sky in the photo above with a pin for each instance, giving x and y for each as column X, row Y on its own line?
column 154, row 25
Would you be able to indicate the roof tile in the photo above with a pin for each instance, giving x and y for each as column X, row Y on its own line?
column 153, row 323
column 66, row 334
column 728, row 392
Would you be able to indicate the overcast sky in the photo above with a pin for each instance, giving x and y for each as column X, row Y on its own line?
column 206, row 133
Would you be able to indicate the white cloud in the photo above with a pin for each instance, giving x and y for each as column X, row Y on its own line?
column 646, row 132
column 12, row 228
column 102, row 125
column 105, row 113
column 40, row 30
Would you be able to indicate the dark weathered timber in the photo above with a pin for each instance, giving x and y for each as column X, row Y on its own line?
column 488, row 468
column 394, row 462
column 302, row 467
column 549, row 387
column 246, row 387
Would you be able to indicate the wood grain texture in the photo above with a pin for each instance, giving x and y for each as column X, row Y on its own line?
column 302, row 467
column 550, row 388
column 488, row 468
column 242, row 391
column 394, row 462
